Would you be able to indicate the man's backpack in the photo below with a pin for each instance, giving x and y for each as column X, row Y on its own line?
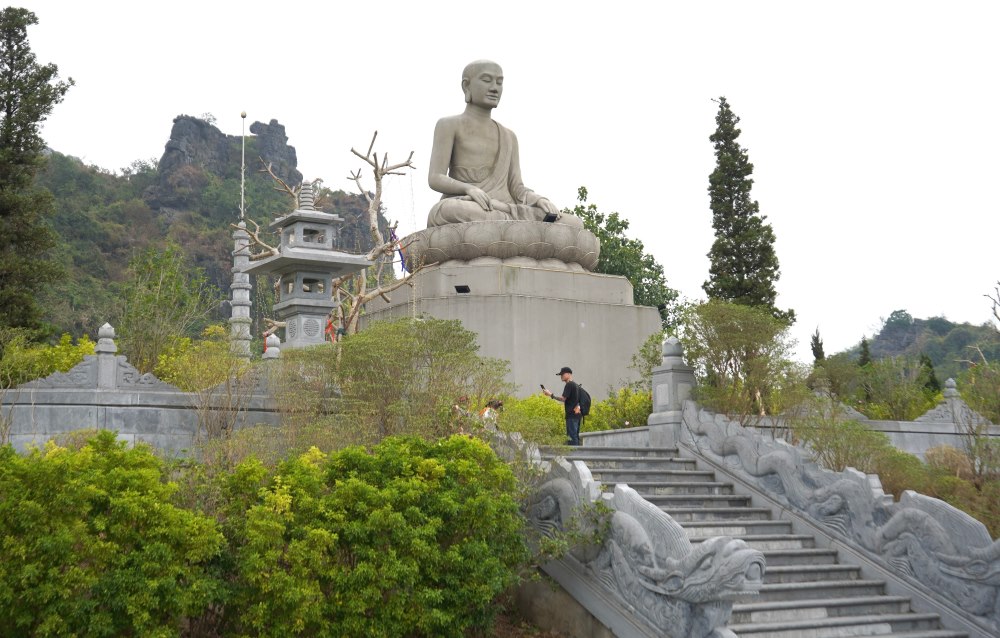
column 584, row 398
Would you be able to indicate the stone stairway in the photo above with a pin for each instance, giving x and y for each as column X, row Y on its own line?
column 807, row 591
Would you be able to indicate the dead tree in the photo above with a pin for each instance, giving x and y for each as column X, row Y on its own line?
column 352, row 292
column 995, row 300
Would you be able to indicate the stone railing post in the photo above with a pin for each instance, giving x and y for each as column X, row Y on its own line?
column 673, row 381
column 107, row 361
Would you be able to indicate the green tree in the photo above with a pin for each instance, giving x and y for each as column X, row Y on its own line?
column 163, row 299
column 28, row 93
column 744, row 266
column 895, row 389
column 816, row 344
column 866, row 355
column 621, row 255
column 741, row 356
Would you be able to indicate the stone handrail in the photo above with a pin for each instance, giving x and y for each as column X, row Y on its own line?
column 642, row 557
column 927, row 541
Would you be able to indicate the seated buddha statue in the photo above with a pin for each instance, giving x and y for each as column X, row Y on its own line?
column 474, row 161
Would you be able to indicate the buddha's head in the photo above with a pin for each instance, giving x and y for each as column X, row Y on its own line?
column 482, row 83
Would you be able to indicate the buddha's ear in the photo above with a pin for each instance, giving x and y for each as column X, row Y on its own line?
column 465, row 89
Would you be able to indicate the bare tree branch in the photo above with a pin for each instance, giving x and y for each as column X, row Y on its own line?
column 266, row 250
column 995, row 300
column 283, row 186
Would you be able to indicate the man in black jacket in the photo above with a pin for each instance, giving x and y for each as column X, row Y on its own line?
column 571, row 398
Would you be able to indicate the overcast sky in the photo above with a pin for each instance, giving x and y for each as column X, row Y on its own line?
column 872, row 126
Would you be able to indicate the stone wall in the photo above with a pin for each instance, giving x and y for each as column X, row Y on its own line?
column 106, row 392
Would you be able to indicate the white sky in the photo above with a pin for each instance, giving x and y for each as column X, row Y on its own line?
column 872, row 126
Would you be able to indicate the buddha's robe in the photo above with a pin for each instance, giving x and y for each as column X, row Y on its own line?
column 501, row 182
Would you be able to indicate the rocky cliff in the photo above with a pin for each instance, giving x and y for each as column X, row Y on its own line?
column 197, row 148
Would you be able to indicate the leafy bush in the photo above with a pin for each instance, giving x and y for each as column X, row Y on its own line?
column 93, row 546
column 741, row 357
column 413, row 539
column 625, row 408
column 21, row 361
column 393, row 377
column 895, row 389
column 838, row 444
column 539, row 419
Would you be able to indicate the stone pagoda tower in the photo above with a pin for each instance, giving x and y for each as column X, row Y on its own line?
column 307, row 263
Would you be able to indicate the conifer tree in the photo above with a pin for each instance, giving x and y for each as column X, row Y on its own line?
column 816, row 343
column 28, row 92
column 866, row 355
column 744, row 266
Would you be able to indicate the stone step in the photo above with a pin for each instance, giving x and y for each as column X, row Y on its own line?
column 810, row 573
column 780, row 592
column 594, row 450
column 819, row 608
column 679, row 487
column 697, row 500
column 745, row 530
column 870, row 625
column 611, row 476
column 684, row 514
column 787, row 557
column 766, row 542
column 597, row 462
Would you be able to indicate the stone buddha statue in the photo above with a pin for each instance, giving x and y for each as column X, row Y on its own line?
column 474, row 162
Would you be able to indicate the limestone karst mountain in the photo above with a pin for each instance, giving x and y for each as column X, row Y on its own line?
column 189, row 196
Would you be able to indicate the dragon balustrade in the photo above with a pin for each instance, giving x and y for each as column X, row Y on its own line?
column 921, row 538
column 640, row 555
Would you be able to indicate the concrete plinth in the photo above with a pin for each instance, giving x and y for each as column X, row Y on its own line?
column 538, row 319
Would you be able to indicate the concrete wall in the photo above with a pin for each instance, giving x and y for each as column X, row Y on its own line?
column 105, row 392
column 539, row 320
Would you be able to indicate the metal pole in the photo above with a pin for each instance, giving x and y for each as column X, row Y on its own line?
column 243, row 165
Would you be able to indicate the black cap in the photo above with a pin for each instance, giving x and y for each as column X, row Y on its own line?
column 564, row 370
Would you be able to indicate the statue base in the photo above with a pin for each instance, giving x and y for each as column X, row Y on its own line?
column 551, row 246
column 536, row 318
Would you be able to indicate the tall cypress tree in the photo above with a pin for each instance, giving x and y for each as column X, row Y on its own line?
column 744, row 266
column 28, row 92
column 816, row 343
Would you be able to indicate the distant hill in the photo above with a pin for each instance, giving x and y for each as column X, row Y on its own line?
column 947, row 343
column 189, row 196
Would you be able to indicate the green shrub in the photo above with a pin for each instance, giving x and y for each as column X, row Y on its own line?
column 538, row 418
column 838, row 444
column 93, row 546
column 413, row 539
column 21, row 361
column 625, row 408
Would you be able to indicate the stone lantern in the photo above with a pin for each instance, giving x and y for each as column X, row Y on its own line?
column 306, row 264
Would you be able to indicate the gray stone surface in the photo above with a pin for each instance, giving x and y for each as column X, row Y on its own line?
column 643, row 576
column 930, row 543
column 306, row 264
column 475, row 161
column 520, row 243
column 538, row 319
column 105, row 392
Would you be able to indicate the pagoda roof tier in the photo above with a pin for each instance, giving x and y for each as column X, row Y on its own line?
column 294, row 258
column 311, row 216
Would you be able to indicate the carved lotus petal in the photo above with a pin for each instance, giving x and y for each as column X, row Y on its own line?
column 546, row 245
